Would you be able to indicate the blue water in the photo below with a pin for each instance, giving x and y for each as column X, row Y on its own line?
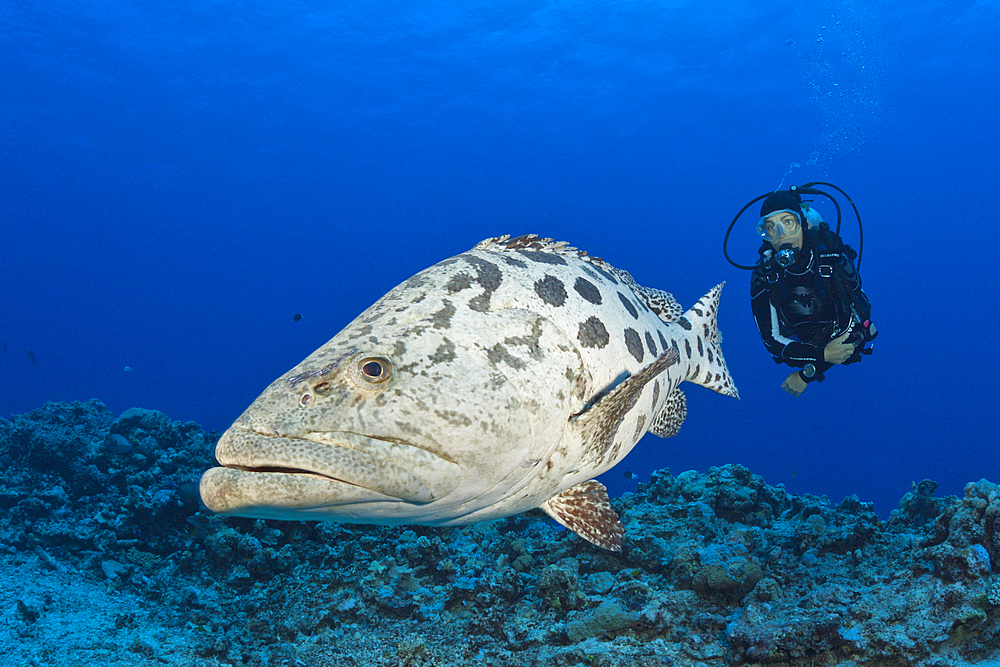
column 178, row 181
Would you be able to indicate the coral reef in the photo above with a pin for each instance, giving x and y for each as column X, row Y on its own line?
column 717, row 568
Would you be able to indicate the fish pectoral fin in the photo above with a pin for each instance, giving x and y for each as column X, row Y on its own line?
column 598, row 423
column 586, row 510
column 668, row 420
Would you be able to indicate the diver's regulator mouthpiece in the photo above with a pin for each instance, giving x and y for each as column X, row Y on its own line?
column 785, row 256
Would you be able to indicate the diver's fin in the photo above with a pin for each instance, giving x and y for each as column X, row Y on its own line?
column 598, row 423
column 586, row 510
column 710, row 368
column 668, row 420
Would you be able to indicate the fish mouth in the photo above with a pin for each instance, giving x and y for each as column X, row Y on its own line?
column 274, row 476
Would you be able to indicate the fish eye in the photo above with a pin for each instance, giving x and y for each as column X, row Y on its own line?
column 374, row 370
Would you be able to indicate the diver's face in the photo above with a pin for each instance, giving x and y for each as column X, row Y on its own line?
column 786, row 222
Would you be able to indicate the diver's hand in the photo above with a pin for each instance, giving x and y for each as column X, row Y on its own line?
column 794, row 384
column 837, row 351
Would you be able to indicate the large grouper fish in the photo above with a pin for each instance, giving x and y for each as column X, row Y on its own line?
column 498, row 381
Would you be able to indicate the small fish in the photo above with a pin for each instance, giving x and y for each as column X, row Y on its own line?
column 297, row 317
column 498, row 381
column 117, row 444
column 188, row 491
column 128, row 369
column 31, row 357
column 631, row 475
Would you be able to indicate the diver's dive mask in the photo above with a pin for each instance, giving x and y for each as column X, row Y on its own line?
column 773, row 230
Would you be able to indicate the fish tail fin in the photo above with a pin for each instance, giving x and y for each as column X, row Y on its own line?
column 709, row 370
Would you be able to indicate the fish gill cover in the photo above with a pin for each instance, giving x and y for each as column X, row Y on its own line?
column 107, row 558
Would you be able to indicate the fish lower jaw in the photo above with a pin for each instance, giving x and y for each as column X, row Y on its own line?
column 280, row 493
column 340, row 459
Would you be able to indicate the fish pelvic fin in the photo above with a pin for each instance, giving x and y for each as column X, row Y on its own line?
column 586, row 510
column 709, row 369
column 671, row 416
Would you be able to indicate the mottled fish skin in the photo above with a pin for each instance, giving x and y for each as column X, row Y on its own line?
column 497, row 381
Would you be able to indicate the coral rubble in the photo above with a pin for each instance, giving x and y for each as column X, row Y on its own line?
column 717, row 569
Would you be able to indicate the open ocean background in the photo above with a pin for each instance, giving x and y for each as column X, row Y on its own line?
column 178, row 180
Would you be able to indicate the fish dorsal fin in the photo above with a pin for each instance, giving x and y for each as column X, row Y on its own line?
column 670, row 417
column 531, row 243
column 598, row 423
column 586, row 510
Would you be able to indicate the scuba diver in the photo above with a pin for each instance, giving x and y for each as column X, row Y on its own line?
column 805, row 290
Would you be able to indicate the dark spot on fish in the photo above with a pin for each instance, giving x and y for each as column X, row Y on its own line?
column 499, row 353
column 634, row 344
column 408, row 368
column 444, row 353
column 488, row 275
column 551, row 290
column 687, row 348
column 628, row 306
column 684, row 323
column 701, row 348
column 543, row 257
column 656, row 394
column 366, row 330
column 297, row 316
column 514, row 261
column 398, row 349
column 696, row 310
column 588, row 291
column 442, row 318
column 458, row 282
column 663, row 341
column 532, row 341
column 590, row 272
column 31, row 357
column 696, row 371
column 709, row 355
column 418, row 298
column 650, row 344
column 592, row 333
column 453, row 418
column 604, row 273
column 640, row 428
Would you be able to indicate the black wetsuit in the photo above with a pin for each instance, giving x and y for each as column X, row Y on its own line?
column 802, row 307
